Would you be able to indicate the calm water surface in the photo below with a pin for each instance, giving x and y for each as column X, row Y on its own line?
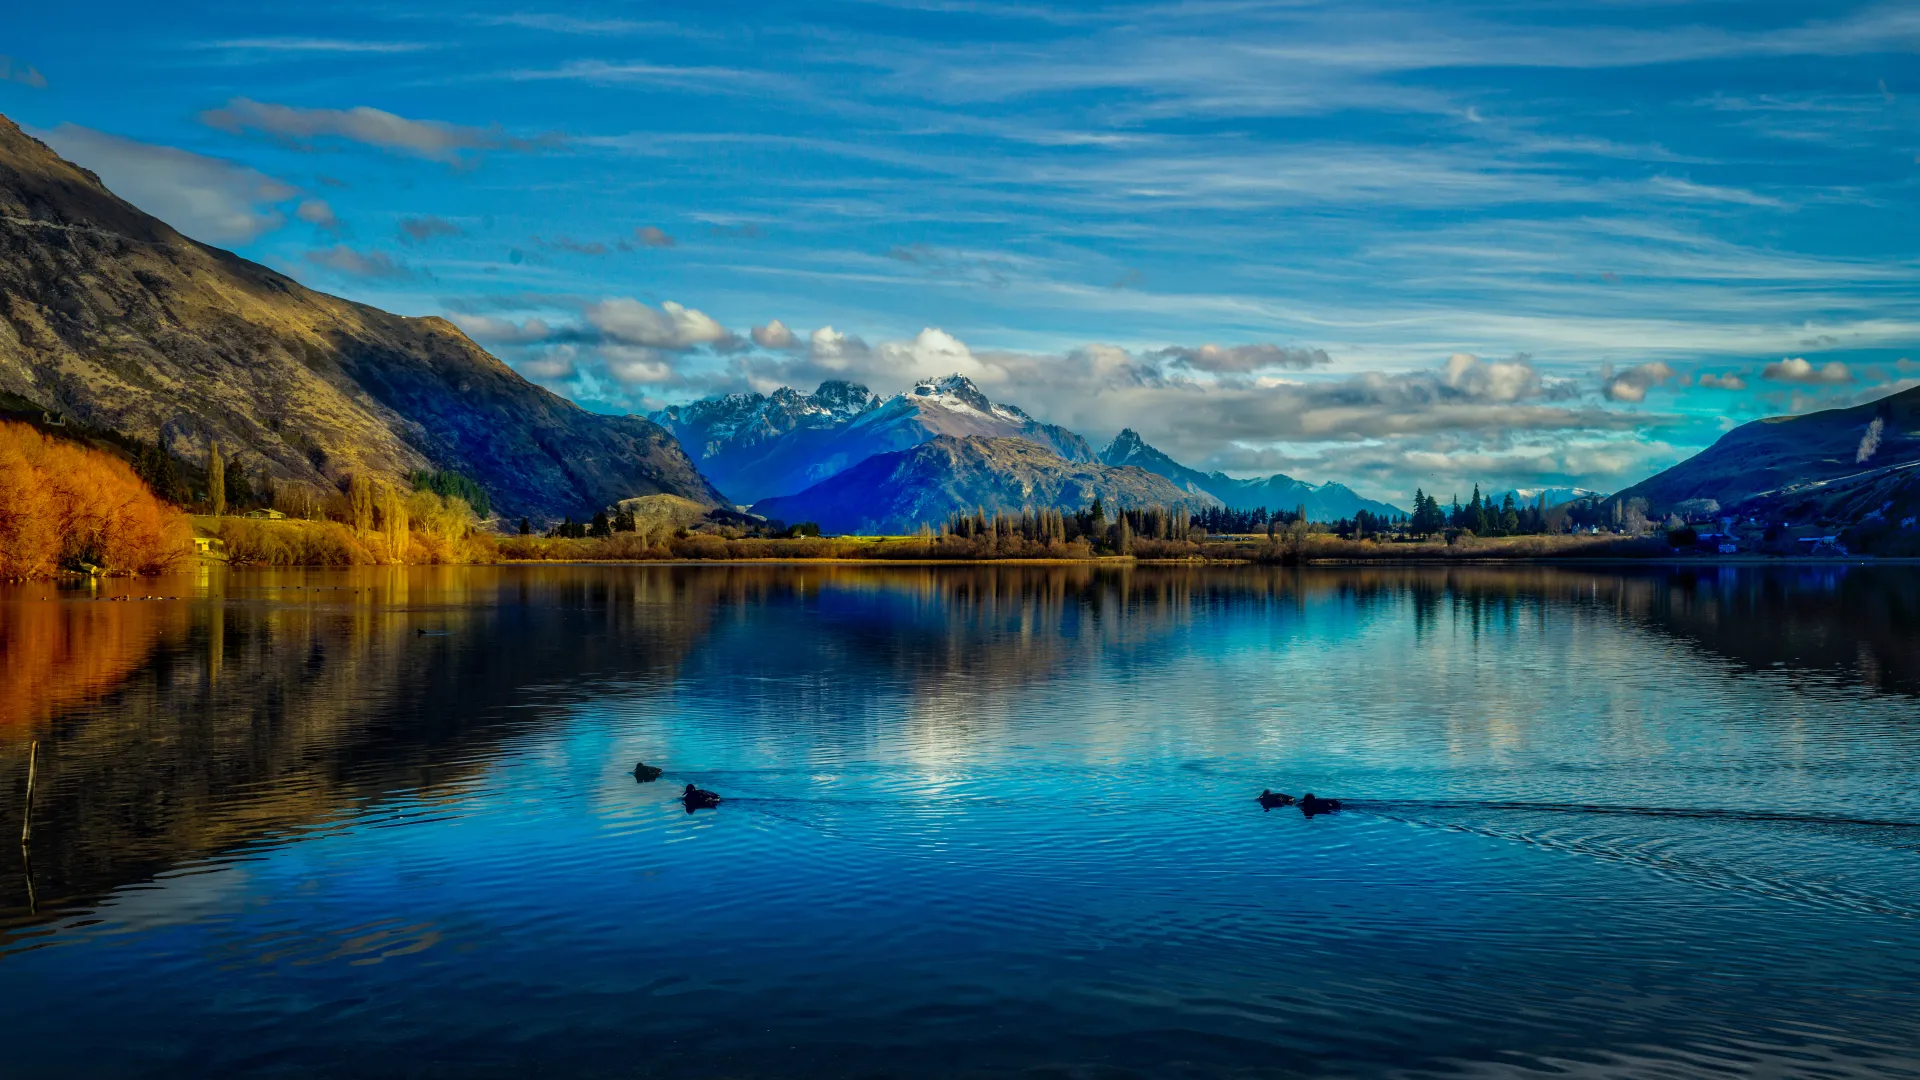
column 978, row 822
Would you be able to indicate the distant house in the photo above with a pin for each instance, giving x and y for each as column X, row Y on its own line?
column 266, row 514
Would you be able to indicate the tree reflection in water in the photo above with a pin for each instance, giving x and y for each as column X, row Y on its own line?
column 263, row 703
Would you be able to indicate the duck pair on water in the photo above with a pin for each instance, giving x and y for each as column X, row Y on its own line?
column 695, row 798
column 699, row 798
column 1309, row 804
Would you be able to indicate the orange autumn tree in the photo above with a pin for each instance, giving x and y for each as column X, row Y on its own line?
column 64, row 506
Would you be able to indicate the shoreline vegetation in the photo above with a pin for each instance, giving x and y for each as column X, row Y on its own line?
column 77, row 509
column 1312, row 547
column 64, row 506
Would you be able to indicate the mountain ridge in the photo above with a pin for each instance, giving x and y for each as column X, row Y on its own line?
column 1779, row 462
column 750, row 468
column 895, row 492
column 110, row 316
column 1329, row 501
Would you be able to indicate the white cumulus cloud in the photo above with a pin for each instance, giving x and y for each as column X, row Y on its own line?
column 774, row 335
column 931, row 352
column 1796, row 369
column 835, row 351
column 670, row 326
column 1633, row 383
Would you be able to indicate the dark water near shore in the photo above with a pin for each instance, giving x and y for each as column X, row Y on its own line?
column 980, row 821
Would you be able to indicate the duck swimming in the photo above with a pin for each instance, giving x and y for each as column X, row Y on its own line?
column 1311, row 804
column 1270, row 799
column 698, row 799
column 646, row 773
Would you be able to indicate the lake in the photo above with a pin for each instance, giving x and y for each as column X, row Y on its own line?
column 978, row 821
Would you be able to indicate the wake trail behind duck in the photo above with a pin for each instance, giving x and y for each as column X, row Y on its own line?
column 1390, row 808
column 1855, row 864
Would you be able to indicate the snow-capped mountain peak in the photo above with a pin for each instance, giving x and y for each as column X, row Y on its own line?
column 957, row 393
column 752, row 417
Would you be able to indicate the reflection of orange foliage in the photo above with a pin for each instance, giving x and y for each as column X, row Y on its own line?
column 55, row 654
column 62, row 505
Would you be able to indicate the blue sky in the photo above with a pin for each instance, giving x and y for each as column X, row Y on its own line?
column 1430, row 244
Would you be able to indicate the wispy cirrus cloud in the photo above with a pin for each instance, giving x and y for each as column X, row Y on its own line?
column 1687, row 189
column 1242, row 359
column 557, row 23
column 1312, row 59
column 318, row 45
column 708, row 79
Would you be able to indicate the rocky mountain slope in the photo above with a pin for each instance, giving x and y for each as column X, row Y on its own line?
column 755, row 448
column 1324, row 502
column 110, row 317
column 1839, row 464
column 893, row 493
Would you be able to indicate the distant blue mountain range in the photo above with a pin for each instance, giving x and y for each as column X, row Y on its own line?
column 761, row 447
column 1323, row 502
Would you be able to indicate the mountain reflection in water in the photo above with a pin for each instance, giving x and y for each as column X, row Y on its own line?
column 977, row 819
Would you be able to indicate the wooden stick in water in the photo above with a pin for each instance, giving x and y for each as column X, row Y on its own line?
column 26, row 823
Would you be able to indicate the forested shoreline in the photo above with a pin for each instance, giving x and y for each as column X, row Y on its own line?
column 68, row 507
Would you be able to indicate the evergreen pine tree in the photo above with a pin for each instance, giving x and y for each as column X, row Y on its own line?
column 239, row 486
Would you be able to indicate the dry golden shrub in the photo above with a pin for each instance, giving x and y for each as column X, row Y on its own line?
column 292, row 543
column 65, row 506
column 439, row 533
